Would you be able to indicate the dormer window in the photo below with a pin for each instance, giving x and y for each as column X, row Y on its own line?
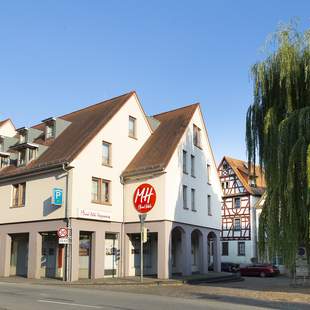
column 4, row 161
column 22, row 157
column 22, row 138
column 50, row 131
column 252, row 181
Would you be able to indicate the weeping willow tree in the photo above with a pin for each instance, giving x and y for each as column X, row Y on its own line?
column 278, row 137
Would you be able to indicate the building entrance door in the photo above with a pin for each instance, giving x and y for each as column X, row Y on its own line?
column 19, row 255
column 85, row 255
column 50, row 252
column 112, row 255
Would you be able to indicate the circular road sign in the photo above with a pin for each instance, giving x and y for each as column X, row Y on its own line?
column 62, row 232
column 144, row 198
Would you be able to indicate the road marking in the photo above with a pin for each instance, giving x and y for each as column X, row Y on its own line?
column 68, row 304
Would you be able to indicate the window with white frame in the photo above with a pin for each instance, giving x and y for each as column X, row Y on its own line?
column 237, row 202
column 22, row 157
column 132, row 124
column 224, row 248
column 209, row 173
column 193, row 166
column 193, row 199
column 106, row 153
column 241, row 248
column 101, row 191
column 197, row 136
column 4, row 161
column 184, row 161
column 32, row 154
column 237, row 224
column 209, row 205
column 18, row 195
column 184, row 192
column 50, row 131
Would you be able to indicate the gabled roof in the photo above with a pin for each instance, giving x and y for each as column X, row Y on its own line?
column 85, row 124
column 157, row 151
column 5, row 121
column 241, row 169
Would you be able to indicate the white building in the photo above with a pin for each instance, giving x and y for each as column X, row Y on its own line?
column 241, row 193
column 97, row 157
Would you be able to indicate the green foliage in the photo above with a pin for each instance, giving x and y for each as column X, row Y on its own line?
column 278, row 133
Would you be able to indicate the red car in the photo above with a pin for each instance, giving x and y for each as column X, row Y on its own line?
column 262, row 270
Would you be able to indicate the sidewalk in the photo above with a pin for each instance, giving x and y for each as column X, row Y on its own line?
column 212, row 277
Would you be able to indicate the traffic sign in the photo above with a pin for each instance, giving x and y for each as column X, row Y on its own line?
column 144, row 198
column 63, row 241
column 57, row 196
column 62, row 232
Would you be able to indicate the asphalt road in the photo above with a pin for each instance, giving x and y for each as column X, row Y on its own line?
column 23, row 296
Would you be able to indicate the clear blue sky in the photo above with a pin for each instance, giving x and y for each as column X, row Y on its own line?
column 59, row 56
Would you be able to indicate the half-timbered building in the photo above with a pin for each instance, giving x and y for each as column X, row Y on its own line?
column 241, row 191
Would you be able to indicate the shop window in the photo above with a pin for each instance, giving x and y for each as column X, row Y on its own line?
column 18, row 195
column 225, row 248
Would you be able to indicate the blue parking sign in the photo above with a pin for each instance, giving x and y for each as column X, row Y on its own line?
column 57, row 196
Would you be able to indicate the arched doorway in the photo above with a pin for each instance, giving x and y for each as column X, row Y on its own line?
column 196, row 251
column 213, row 259
column 176, row 251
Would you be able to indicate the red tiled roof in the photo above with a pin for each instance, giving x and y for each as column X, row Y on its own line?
column 240, row 167
column 157, row 151
column 85, row 124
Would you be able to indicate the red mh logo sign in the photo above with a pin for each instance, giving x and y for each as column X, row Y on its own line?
column 144, row 198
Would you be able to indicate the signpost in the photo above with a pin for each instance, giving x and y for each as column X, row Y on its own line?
column 144, row 200
column 63, row 235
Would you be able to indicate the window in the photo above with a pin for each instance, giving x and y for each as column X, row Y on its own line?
column 237, row 224
column 185, row 197
column 209, row 173
column 18, row 195
column 237, row 202
column 22, row 157
column 1, row 145
column 100, row 191
column 192, row 165
column 32, row 154
column 50, row 131
column 22, row 138
column 193, row 198
column 209, row 205
column 184, row 161
column 4, row 161
column 106, row 153
column 225, row 248
column 241, row 249
column 225, row 166
column 132, row 127
column 197, row 136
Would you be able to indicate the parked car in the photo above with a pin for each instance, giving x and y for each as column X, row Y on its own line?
column 227, row 267
column 262, row 270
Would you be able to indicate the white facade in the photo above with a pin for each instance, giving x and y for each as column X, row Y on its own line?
column 100, row 229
